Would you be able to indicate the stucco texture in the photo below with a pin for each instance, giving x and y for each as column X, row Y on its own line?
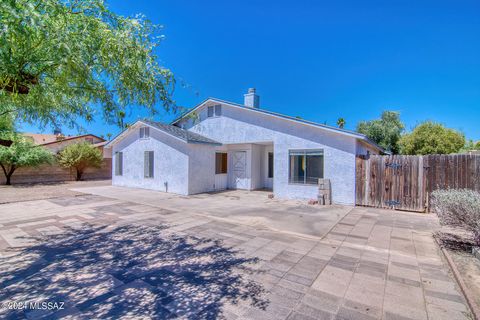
column 170, row 162
column 237, row 125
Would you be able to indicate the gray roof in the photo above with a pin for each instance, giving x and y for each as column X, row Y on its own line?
column 185, row 135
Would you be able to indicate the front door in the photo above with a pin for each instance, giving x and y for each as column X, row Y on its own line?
column 240, row 170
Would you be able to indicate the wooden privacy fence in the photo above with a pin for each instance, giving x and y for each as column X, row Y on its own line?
column 406, row 182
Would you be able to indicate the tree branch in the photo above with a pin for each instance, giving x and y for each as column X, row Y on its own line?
column 7, row 112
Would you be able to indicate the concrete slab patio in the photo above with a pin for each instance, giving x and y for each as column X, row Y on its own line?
column 133, row 254
column 252, row 208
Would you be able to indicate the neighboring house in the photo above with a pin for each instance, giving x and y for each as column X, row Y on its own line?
column 57, row 142
column 221, row 145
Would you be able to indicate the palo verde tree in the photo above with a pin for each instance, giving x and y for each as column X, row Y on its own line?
column 431, row 138
column 386, row 131
column 65, row 60
column 21, row 153
column 80, row 156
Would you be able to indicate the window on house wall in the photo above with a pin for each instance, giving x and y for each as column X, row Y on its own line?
column 118, row 163
column 218, row 110
column 270, row 165
column 305, row 166
column 220, row 163
column 148, row 166
column 89, row 140
column 210, row 111
column 214, row 111
column 144, row 132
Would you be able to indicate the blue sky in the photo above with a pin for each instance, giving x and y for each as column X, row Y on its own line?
column 321, row 60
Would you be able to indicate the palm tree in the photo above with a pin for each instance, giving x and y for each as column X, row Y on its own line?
column 341, row 123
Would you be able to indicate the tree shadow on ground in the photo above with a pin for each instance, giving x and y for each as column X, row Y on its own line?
column 128, row 272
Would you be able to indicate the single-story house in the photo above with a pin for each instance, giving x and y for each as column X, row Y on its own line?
column 221, row 145
column 56, row 142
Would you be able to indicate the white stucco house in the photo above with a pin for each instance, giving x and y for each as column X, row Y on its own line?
column 221, row 145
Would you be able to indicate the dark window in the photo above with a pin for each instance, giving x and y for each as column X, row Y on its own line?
column 148, row 164
column 144, row 132
column 89, row 140
column 220, row 163
column 305, row 166
column 218, row 110
column 270, row 164
column 118, row 163
column 210, row 112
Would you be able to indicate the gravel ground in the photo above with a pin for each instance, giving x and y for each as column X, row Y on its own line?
column 469, row 268
column 39, row 191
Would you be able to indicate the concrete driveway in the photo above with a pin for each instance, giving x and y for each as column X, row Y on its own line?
column 120, row 253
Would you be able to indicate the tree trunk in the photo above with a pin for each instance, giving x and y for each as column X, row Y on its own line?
column 7, row 182
column 8, row 174
column 79, row 175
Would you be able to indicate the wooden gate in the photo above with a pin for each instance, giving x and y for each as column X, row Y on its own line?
column 391, row 182
column 405, row 182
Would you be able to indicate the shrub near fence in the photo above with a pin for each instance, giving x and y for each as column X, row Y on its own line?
column 406, row 182
column 55, row 173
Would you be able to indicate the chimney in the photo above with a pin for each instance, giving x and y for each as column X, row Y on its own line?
column 252, row 100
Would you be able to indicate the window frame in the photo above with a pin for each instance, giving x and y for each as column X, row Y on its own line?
column 306, row 152
column 223, row 164
column 150, row 174
column 217, row 110
column 146, row 130
column 210, row 111
column 214, row 111
column 119, row 163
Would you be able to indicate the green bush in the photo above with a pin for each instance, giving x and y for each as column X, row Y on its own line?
column 80, row 156
column 459, row 208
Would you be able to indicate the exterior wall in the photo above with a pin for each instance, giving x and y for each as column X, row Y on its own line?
column 243, row 126
column 171, row 162
column 221, row 180
column 107, row 152
column 257, row 177
column 267, row 182
column 201, row 168
column 363, row 149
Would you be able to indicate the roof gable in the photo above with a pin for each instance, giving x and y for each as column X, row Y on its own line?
column 174, row 131
column 282, row 116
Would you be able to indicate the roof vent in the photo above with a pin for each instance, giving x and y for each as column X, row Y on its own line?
column 252, row 100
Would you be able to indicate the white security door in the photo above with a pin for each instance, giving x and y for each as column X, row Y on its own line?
column 240, row 170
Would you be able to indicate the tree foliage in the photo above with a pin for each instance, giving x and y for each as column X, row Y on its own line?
column 385, row 132
column 80, row 156
column 60, row 60
column 341, row 123
column 431, row 138
column 470, row 145
column 21, row 153
column 6, row 125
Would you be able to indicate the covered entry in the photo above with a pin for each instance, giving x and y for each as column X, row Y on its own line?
column 244, row 166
